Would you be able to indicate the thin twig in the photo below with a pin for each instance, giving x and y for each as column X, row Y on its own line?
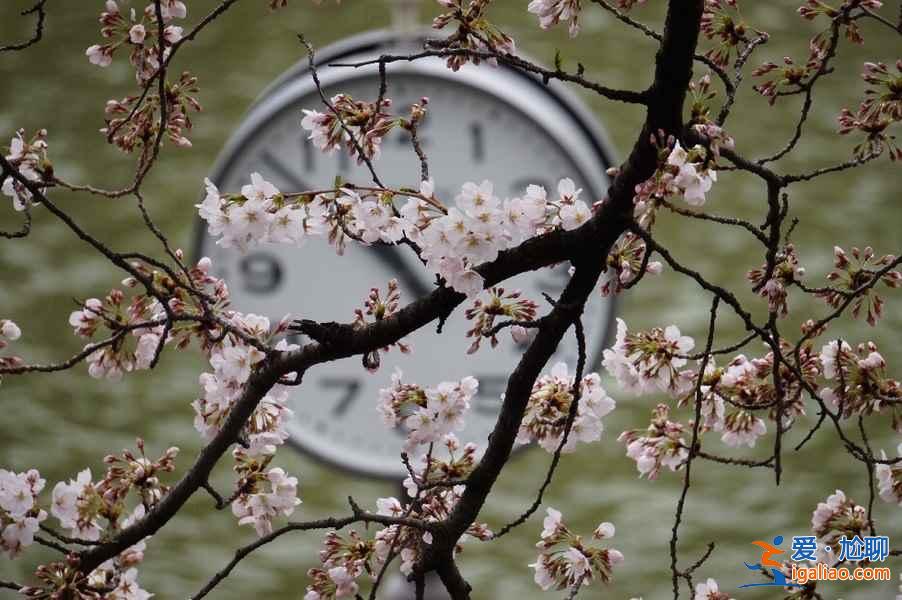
column 628, row 96
column 38, row 28
column 361, row 155
column 693, row 449
column 572, row 411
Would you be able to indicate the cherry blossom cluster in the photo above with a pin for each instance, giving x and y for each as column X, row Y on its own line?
column 20, row 515
column 378, row 308
column 689, row 174
column 838, row 517
column 786, row 77
column 345, row 559
column 9, row 332
column 113, row 360
column 358, row 125
column 661, row 444
column 792, row 76
column 550, row 404
column 475, row 33
column 453, row 241
column 860, row 385
column 143, row 316
column 889, row 479
column 129, row 471
column 883, row 98
column 552, row 12
column 262, row 494
column 499, row 304
column 429, row 470
column 747, row 386
column 650, row 361
column 82, row 505
column 566, row 561
column 260, row 213
column 30, row 158
column 785, row 273
column 880, row 110
column 812, row 9
column 427, row 414
column 850, row 274
column 87, row 511
column 625, row 264
column 722, row 21
column 140, row 32
column 429, row 484
column 233, row 360
column 715, row 137
column 116, row 579
column 701, row 92
column 481, row 226
column 133, row 122
column 709, row 590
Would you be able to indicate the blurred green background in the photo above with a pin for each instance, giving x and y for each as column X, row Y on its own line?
column 62, row 422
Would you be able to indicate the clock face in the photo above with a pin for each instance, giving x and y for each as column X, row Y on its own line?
column 469, row 135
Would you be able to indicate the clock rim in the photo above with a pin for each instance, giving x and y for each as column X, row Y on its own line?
column 280, row 94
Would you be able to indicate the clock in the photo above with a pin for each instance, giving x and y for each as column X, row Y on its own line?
column 483, row 123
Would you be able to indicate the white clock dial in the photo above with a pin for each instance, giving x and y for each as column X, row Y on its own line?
column 469, row 135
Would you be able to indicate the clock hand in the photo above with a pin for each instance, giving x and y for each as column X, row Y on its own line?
column 391, row 256
column 283, row 173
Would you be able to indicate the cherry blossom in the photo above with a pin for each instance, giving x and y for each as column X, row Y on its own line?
column 715, row 136
column 128, row 588
column 647, row 361
column 30, row 158
column 132, row 123
column 724, row 25
column 133, row 472
column 436, row 412
column 742, row 427
column 77, row 506
column 552, row 12
column 688, row 173
column 475, row 32
column 9, row 330
column 499, row 304
column 566, row 561
column 20, row 515
column 264, row 493
column 786, row 272
column 850, row 274
column 889, row 479
column 232, row 361
column 378, row 308
column 140, row 32
column 661, row 444
column 838, row 517
column 346, row 558
column 709, row 590
column 351, row 123
column 453, row 241
column 549, row 406
column 624, row 264
column 861, row 385
column 691, row 178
